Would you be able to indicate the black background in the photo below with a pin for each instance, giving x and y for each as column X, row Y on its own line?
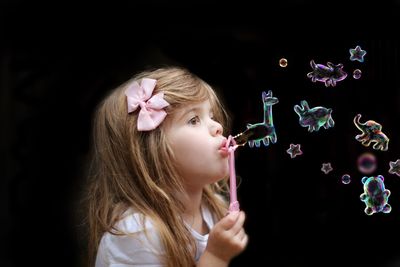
column 57, row 64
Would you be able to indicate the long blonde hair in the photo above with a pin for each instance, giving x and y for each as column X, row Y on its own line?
column 134, row 169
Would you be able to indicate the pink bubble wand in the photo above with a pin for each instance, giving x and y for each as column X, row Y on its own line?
column 231, row 147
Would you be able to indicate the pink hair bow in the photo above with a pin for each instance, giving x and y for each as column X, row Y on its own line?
column 152, row 111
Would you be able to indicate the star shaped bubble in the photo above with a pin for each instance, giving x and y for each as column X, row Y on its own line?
column 326, row 167
column 357, row 54
column 394, row 167
column 294, row 150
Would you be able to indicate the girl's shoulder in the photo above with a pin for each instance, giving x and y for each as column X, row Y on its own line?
column 133, row 241
column 133, row 222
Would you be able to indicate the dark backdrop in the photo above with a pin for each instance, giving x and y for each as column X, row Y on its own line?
column 57, row 64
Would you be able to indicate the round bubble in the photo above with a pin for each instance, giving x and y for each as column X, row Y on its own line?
column 283, row 62
column 366, row 163
column 357, row 74
column 346, row 179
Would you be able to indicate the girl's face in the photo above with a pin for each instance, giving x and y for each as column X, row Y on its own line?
column 196, row 140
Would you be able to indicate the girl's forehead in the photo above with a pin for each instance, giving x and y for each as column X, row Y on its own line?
column 180, row 112
column 203, row 105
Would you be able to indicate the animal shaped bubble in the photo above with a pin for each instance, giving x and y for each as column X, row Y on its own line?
column 315, row 117
column 375, row 195
column 329, row 74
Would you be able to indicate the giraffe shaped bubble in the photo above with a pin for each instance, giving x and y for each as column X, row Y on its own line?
column 260, row 132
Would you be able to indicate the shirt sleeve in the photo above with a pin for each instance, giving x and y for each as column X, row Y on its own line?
column 132, row 249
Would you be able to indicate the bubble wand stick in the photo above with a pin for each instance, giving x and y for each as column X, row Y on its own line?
column 234, row 204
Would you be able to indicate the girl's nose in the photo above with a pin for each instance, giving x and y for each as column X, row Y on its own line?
column 216, row 128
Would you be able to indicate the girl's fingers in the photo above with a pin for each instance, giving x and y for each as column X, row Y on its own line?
column 230, row 220
column 241, row 234
column 245, row 240
column 238, row 224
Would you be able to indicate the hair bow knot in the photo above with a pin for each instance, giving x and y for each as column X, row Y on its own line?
column 152, row 111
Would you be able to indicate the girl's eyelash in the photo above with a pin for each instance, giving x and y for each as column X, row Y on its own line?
column 194, row 120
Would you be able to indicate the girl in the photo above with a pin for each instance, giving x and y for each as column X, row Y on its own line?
column 157, row 176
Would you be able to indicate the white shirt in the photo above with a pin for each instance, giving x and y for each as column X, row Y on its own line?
column 138, row 249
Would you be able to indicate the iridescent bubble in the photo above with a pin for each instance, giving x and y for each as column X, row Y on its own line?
column 283, row 62
column 346, row 179
column 326, row 168
column 294, row 150
column 375, row 195
column 357, row 54
column 394, row 167
column 366, row 163
column 371, row 133
column 263, row 131
column 329, row 74
column 314, row 118
column 357, row 74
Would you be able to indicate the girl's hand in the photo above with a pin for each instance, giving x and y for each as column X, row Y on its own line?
column 227, row 238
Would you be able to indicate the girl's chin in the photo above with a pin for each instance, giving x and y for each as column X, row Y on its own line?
column 223, row 176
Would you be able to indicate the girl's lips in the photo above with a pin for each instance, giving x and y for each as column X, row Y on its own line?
column 223, row 144
column 224, row 151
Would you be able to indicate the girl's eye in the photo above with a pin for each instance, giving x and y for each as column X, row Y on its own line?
column 213, row 117
column 194, row 120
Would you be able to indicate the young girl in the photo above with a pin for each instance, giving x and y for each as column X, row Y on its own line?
column 158, row 176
